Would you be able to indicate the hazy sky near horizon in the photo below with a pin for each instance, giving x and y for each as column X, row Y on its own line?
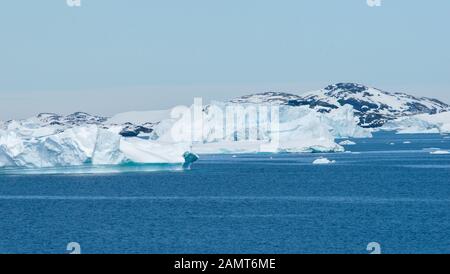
column 110, row 56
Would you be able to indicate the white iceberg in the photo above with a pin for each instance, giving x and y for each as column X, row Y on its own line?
column 423, row 123
column 51, row 140
column 323, row 161
column 87, row 145
column 440, row 152
column 343, row 123
column 300, row 129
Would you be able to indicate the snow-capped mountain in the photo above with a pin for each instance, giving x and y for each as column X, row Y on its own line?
column 372, row 106
column 54, row 123
column 46, row 124
column 74, row 119
column 281, row 98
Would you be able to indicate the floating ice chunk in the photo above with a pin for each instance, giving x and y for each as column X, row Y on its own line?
column 323, row 161
column 407, row 142
column 440, row 152
column 347, row 143
column 189, row 158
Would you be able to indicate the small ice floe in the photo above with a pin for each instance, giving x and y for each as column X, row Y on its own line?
column 323, row 161
column 347, row 143
column 234, row 156
column 440, row 152
column 392, row 144
column 407, row 142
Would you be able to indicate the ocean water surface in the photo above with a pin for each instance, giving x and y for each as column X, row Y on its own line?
column 388, row 189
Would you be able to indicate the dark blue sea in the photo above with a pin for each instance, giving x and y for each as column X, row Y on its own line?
column 388, row 189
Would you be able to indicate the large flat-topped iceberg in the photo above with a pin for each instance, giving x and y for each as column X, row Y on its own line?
column 83, row 145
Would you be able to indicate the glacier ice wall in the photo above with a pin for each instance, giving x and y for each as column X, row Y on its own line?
column 300, row 129
column 423, row 123
column 82, row 145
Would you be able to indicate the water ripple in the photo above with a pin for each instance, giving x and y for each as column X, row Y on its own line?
column 331, row 199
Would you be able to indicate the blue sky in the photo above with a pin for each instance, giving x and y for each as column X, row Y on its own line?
column 109, row 56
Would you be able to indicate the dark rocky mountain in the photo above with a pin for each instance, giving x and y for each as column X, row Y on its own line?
column 373, row 107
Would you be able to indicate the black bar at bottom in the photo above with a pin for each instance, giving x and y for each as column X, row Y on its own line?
column 201, row 263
